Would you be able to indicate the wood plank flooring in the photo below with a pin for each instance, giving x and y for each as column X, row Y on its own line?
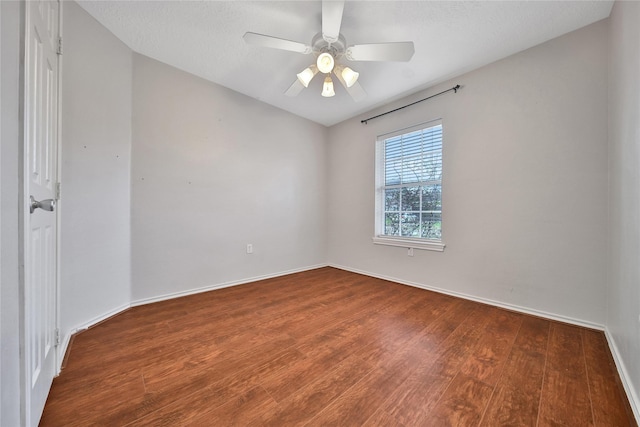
column 328, row 347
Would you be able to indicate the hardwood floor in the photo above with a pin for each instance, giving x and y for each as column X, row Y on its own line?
column 329, row 347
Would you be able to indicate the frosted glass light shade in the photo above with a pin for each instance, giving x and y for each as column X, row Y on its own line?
column 349, row 76
column 325, row 63
column 307, row 74
column 327, row 88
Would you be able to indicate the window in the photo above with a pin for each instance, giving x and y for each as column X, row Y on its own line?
column 409, row 188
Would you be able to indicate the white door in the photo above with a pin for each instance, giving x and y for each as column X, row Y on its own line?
column 40, row 180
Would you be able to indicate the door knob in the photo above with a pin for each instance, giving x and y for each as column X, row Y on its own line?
column 46, row 205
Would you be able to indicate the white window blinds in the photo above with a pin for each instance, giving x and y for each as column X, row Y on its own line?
column 411, row 188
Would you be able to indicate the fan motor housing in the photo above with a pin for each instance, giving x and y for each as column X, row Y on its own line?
column 336, row 49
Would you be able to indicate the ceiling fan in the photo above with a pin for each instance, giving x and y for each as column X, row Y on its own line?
column 329, row 47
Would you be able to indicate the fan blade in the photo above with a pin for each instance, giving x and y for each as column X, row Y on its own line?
column 275, row 43
column 355, row 91
column 396, row 51
column 295, row 88
column 331, row 20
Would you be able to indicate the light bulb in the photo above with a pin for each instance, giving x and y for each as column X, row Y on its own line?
column 327, row 88
column 325, row 62
column 349, row 76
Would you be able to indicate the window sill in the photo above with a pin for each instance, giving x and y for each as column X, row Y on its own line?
column 406, row 242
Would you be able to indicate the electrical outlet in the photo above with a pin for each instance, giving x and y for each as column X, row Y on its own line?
column 410, row 252
column 249, row 248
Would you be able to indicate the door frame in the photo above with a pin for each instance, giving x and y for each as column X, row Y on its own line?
column 10, row 198
column 61, row 348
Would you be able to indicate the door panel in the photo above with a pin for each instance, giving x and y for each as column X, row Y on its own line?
column 41, row 102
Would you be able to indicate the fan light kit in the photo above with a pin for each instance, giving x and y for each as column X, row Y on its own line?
column 327, row 87
column 350, row 77
column 307, row 74
column 325, row 62
column 329, row 47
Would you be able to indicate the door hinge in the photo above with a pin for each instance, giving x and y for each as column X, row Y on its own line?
column 59, row 52
column 57, row 191
column 57, row 337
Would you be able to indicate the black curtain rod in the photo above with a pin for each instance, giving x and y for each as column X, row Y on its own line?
column 455, row 89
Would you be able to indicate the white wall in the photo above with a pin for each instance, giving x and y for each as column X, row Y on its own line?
column 12, row 15
column 524, row 187
column 96, row 162
column 623, row 291
column 214, row 170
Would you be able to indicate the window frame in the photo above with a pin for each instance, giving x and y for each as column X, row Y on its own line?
column 379, row 236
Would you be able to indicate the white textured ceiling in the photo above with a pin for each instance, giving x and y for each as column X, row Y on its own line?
column 451, row 37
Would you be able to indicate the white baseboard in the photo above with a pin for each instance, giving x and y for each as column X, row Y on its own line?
column 512, row 307
column 67, row 336
column 632, row 395
column 62, row 351
column 173, row 295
